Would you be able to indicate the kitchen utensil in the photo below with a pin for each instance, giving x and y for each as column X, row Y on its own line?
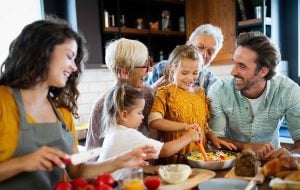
column 250, row 185
column 224, row 183
column 259, row 177
column 82, row 156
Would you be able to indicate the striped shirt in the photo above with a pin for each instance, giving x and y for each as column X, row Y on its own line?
column 232, row 117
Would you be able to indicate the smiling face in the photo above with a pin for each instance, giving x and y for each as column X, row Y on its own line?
column 186, row 73
column 133, row 116
column 247, row 78
column 62, row 63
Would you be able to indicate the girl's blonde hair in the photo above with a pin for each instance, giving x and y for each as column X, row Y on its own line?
column 118, row 99
column 181, row 52
column 125, row 54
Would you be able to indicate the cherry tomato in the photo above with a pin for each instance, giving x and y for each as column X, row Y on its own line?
column 105, row 178
column 63, row 185
column 79, row 183
column 89, row 187
column 152, row 182
column 103, row 186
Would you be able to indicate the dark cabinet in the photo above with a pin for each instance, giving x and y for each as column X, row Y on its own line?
column 159, row 24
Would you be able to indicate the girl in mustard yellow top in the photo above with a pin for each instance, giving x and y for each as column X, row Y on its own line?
column 38, row 87
column 180, row 106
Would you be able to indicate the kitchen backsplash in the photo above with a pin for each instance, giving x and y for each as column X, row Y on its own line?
column 95, row 82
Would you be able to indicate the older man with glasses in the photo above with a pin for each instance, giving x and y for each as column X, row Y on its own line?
column 209, row 40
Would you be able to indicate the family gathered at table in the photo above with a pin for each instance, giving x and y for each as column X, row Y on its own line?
column 153, row 115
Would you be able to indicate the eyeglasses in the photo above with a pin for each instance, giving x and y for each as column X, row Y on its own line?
column 148, row 64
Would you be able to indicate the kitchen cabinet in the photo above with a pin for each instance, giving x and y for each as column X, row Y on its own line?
column 131, row 19
column 217, row 12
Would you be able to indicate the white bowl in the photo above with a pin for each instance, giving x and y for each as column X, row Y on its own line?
column 175, row 173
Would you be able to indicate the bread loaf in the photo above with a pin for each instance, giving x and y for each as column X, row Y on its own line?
column 280, row 167
column 246, row 164
column 294, row 176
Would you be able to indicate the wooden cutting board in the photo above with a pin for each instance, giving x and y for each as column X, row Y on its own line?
column 197, row 176
column 259, row 178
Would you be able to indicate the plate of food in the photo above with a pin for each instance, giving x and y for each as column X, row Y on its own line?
column 217, row 159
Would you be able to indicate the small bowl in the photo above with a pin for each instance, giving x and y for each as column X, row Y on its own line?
column 175, row 173
column 212, row 164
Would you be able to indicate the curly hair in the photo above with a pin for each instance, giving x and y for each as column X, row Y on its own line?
column 27, row 63
column 267, row 53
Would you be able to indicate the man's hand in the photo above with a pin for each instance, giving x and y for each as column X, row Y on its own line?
column 282, row 152
column 263, row 150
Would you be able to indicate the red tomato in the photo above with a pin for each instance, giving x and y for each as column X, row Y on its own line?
column 103, row 186
column 222, row 157
column 88, row 187
column 105, row 178
column 79, row 183
column 63, row 185
column 152, row 182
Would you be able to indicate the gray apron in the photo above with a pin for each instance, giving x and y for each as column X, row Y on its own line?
column 31, row 138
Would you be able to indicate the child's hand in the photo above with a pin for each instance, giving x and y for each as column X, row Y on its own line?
column 192, row 126
column 194, row 134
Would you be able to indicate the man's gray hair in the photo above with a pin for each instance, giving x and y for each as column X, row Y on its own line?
column 209, row 29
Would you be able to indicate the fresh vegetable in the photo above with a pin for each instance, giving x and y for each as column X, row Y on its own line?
column 152, row 182
column 202, row 150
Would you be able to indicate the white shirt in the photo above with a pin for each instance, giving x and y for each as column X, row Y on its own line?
column 121, row 139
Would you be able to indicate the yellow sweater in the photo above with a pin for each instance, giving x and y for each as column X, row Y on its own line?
column 179, row 105
column 9, row 123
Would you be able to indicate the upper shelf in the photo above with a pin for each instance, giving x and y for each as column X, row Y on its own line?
column 254, row 22
column 134, row 31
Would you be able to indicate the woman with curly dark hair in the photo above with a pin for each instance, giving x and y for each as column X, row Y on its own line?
column 38, row 87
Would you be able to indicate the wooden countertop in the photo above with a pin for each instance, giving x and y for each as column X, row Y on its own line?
column 222, row 173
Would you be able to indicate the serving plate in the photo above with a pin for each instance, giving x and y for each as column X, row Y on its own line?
column 224, row 184
column 212, row 164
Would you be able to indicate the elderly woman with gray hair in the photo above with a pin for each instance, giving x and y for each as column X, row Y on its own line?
column 129, row 61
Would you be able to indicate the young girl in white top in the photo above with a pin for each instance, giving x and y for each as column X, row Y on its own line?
column 123, row 106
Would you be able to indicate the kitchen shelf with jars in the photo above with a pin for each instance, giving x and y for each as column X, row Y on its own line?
column 159, row 24
column 254, row 15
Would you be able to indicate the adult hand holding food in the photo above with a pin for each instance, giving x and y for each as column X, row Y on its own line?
column 45, row 159
column 263, row 150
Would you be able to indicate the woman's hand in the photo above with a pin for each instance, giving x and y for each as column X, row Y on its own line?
column 45, row 158
column 136, row 157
